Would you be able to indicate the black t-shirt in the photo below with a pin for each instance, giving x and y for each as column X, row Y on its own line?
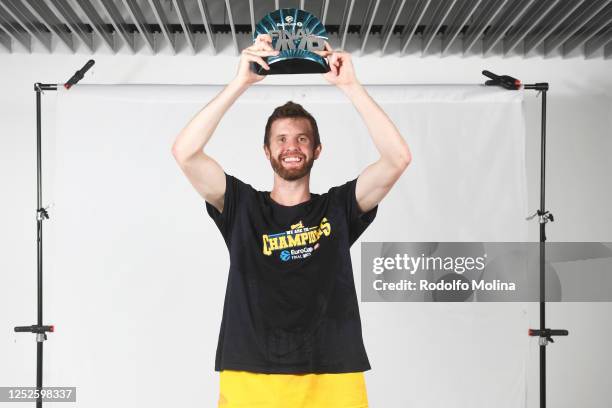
column 290, row 303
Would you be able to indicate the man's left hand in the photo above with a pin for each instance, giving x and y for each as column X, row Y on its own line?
column 342, row 72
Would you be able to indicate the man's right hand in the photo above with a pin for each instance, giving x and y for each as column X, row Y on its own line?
column 255, row 53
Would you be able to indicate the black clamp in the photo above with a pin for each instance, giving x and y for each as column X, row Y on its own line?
column 545, row 216
column 505, row 81
column 546, row 335
column 42, row 213
column 40, row 330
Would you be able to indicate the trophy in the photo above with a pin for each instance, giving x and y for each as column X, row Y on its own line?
column 296, row 34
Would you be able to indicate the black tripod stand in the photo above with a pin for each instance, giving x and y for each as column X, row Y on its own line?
column 42, row 214
column 545, row 335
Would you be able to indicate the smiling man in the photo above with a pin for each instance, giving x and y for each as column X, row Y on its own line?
column 291, row 332
column 291, row 161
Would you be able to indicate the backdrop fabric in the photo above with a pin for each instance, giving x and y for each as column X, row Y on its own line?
column 136, row 271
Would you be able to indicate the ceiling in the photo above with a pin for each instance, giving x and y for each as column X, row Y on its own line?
column 569, row 28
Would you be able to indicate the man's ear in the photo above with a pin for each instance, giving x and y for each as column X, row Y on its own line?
column 317, row 151
column 267, row 151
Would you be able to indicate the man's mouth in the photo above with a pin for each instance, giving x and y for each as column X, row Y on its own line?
column 292, row 159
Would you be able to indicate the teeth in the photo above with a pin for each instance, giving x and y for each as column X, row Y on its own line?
column 292, row 159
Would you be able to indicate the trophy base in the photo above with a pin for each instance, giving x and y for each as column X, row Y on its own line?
column 292, row 66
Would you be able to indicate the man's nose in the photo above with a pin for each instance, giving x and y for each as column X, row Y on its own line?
column 293, row 145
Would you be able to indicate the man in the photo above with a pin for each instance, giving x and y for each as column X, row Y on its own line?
column 291, row 332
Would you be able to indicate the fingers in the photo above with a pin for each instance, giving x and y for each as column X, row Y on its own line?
column 334, row 59
column 261, row 53
column 260, row 46
column 331, row 62
column 334, row 68
column 264, row 37
column 335, row 62
column 334, row 55
column 261, row 62
column 259, row 50
column 327, row 50
column 263, row 42
column 252, row 57
column 323, row 53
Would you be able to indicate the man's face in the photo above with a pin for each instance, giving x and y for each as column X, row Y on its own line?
column 291, row 152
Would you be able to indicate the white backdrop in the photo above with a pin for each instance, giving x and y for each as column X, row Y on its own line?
column 136, row 270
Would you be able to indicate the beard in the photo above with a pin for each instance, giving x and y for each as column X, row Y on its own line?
column 291, row 174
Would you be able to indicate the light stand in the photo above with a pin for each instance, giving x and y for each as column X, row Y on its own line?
column 42, row 214
column 545, row 335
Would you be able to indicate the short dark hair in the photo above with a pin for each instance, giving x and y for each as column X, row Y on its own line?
column 292, row 110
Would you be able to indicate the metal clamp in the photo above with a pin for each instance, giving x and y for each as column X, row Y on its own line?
column 42, row 213
column 546, row 335
column 39, row 330
column 544, row 216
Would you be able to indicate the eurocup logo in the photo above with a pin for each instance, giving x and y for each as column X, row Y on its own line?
column 285, row 255
column 289, row 22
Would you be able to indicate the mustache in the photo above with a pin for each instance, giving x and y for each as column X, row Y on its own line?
column 282, row 156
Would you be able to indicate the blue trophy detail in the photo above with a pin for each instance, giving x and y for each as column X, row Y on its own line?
column 296, row 34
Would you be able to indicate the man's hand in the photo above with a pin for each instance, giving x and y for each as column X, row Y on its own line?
column 255, row 53
column 342, row 72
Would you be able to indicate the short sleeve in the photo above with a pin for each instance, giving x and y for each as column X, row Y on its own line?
column 357, row 220
column 225, row 220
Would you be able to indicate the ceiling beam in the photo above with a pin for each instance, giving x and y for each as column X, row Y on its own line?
column 608, row 51
column 252, row 15
column 162, row 21
column 15, row 31
column 65, row 12
column 538, row 12
column 44, row 14
column 391, row 22
column 324, row 8
column 461, row 19
column 598, row 42
column 414, row 20
column 5, row 39
column 118, row 23
column 595, row 25
column 232, row 26
column 557, row 17
column 207, row 24
column 183, row 16
column 22, row 16
column 141, row 24
column 440, row 14
column 483, row 20
column 575, row 23
column 96, row 23
column 498, row 31
column 368, row 22
column 346, row 20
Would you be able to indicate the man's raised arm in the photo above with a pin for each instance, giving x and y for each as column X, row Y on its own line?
column 376, row 180
column 203, row 172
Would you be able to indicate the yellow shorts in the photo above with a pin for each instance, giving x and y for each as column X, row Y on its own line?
column 241, row 389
